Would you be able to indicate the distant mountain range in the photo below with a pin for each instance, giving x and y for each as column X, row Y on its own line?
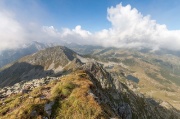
column 8, row 56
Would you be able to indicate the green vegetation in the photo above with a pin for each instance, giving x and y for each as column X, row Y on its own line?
column 70, row 97
column 72, row 100
column 62, row 89
column 154, row 76
column 168, row 76
column 129, row 62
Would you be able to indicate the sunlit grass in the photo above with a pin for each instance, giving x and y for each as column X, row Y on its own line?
column 70, row 97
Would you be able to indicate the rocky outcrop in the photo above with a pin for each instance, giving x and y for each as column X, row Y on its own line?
column 48, row 108
column 25, row 86
column 124, row 110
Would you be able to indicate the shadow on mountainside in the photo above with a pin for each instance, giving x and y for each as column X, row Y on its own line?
column 22, row 72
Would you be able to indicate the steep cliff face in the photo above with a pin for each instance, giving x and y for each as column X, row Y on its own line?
column 82, row 88
column 124, row 101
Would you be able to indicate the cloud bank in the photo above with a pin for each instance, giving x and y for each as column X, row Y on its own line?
column 11, row 32
column 130, row 29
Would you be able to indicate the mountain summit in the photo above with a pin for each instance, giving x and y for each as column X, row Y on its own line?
column 43, row 63
column 11, row 55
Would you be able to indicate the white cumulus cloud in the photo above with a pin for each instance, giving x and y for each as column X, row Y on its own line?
column 76, row 35
column 131, row 29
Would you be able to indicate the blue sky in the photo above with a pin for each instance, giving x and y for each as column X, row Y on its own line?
column 91, row 14
column 115, row 23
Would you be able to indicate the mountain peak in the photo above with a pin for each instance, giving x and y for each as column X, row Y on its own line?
column 45, row 62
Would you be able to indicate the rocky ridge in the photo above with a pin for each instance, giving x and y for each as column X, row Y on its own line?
column 84, row 80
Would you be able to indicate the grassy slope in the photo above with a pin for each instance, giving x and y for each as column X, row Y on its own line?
column 69, row 94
